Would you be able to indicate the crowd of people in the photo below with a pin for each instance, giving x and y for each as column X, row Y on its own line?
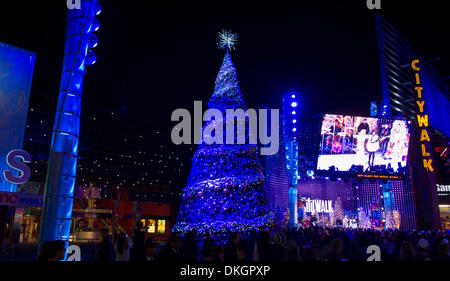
column 302, row 244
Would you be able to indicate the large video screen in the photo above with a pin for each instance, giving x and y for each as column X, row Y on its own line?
column 348, row 141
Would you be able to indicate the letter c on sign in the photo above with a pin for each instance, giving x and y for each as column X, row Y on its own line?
column 414, row 65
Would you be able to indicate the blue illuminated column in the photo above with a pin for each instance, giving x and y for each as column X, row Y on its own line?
column 290, row 106
column 60, row 181
column 387, row 197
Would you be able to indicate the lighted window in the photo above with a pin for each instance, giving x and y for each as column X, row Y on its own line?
column 161, row 226
column 151, row 226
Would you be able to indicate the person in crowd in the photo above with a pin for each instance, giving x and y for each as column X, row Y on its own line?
column 105, row 252
column 122, row 247
column 388, row 248
column 150, row 250
column 218, row 254
column 292, row 251
column 423, row 250
column 231, row 247
column 137, row 253
column 190, row 247
column 336, row 248
column 311, row 254
column 208, row 246
column 355, row 252
column 407, row 251
column 52, row 251
column 171, row 252
column 443, row 251
column 241, row 253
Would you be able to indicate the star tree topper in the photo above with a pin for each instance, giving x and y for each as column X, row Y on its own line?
column 227, row 39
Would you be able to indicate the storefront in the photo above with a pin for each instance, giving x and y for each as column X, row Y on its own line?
column 20, row 214
column 23, row 218
column 443, row 192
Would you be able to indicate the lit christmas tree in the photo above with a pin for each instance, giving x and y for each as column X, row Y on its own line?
column 390, row 222
column 225, row 189
column 338, row 212
column 364, row 220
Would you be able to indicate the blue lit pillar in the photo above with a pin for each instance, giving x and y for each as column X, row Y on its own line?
column 387, row 199
column 290, row 114
column 60, row 181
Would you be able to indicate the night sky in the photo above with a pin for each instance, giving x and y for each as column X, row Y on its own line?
column 154, row 58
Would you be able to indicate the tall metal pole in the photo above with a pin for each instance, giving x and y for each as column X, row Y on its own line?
column 60, row 181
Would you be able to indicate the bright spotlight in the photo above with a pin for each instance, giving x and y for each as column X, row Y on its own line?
column 294, row 121
column 294, row 104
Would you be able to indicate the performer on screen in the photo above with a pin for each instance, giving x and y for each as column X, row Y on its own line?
column 363, row 126
column 363, row 131
column 385, row 134
column 372, row 146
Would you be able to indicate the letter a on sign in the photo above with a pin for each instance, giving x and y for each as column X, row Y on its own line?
column 74, row 253
column 374, row 4
column 375, row 252
column 424, row 135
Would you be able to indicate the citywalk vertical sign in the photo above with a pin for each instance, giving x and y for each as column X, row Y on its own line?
column 422, row 119
column 424, row 177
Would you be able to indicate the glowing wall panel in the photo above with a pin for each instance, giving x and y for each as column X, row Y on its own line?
column 16, row 74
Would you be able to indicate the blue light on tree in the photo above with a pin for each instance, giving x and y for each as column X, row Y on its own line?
column 225, row 189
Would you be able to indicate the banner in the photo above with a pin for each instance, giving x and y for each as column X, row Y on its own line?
column 16, row 74
column 21, row 199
